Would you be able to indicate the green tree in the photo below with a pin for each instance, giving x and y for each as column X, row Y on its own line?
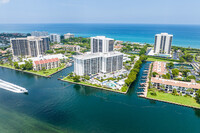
column 185, row 72
column 198, row 96
column 132, row 58
column 175, row 72
column 28, row 65
column 16, row 65
column 43, row 69
column 76, row 78
column 154, row 74
column 174, row 92
column 1, row 62
column 10, row 61
column 49, row 51
column 170, row 65
column 22, row 67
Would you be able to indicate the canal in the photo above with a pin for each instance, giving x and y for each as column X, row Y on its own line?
column 56, row 106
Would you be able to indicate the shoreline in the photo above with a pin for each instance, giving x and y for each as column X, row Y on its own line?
column 170, row 102
column 94, row 86
column 165, row 101
column 48, row 76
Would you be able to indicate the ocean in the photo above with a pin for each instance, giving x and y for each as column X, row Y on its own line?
column 184, row 35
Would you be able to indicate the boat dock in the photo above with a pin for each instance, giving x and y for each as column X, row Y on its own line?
column 145, row 86
column 12, row 87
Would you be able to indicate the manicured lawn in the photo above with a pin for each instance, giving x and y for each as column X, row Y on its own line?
column 189, row 101
column 154, row 59
column 7, row 65
column 48, row 72
column 42, row 73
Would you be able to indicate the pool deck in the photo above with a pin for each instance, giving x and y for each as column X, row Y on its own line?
column 94, row 86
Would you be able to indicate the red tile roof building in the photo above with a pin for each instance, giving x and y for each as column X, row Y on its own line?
column 159, row 67
column 46, row 63
column 169, row 84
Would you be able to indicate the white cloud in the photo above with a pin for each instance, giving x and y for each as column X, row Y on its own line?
column 4, row 1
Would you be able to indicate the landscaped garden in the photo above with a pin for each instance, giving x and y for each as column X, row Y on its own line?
column 44, row 72
column 168, row 97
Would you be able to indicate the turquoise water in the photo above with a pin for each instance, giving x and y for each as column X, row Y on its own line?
column 186, row 66
column 110, row 84
column 184, row 35
column 53, row 106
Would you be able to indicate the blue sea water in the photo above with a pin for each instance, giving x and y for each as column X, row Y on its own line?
column 184, row 35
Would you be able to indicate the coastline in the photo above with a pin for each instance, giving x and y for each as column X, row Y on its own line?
column 124, row 32
column 145, row 95
column 170, row 102
column 48, row 76
column 94, row 86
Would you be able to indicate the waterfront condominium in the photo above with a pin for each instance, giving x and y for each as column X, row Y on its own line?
column 163, row 43
column 55, row 38
column 94, row 63
column 30, row 47
column 39, row 33
column 68, row 35
column 101, row 44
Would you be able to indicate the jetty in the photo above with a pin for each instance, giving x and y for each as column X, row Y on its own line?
column 12, row 87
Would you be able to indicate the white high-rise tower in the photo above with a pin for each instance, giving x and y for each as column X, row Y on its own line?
column 163, row 43
column 101, row 44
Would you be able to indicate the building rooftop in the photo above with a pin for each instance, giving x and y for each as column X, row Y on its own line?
column 46, row 61
column 102, row 37
column 175, row 83
column 68, row 34
column 29, row 38
column 159, row 67
column 95, row 55
column 59, row 56
column 164, row 34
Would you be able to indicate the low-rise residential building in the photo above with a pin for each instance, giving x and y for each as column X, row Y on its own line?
column 47, row 61
column 168, row 85
column 118, row 47
column 56, row 46
column 159, row 67
column 46, row 64
column 75, row 48
column 68, row 35
column 182, row 87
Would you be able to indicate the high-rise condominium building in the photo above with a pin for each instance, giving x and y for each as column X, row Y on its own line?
column 97, row 62
column 55, row 38
column 39, row 33
column 101, row 44
column 68, row 35
column 30, row 47
column 163, row 43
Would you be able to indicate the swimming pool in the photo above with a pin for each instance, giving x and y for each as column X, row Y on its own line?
column 185, row 66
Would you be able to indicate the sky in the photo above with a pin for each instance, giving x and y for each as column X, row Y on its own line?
column 100, row 11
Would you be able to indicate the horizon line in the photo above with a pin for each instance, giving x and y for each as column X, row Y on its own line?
column 104, row 23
